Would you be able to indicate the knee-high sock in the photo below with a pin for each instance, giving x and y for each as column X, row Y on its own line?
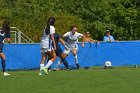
column 65, row 63
column 58, row 64
column 48, row 64
column 76, row 59
column 3, row 65
column 41, row 66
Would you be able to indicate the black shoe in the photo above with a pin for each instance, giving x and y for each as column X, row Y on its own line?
column 78, row 66
column 87, row 67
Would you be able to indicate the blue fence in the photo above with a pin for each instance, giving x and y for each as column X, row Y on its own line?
column 28, row 56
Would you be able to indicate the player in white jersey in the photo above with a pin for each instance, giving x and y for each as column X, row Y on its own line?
column 71, row 43
column 46, row 46
column 46, row 41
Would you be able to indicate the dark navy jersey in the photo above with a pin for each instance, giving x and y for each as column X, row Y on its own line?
column 65, row 39
column 2, row 41
column 57, row 37
column 58, row 50
column 2, row 37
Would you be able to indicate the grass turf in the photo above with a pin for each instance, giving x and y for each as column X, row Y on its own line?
column 117, row 80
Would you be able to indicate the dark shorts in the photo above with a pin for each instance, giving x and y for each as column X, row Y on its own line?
column 0, row 50
column 1, row 46
column 8, row 35
column 58, row 52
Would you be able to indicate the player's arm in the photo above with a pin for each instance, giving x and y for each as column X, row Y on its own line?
column 63, row 43
column 66, row 34
column 54, row 45
column 83, row 36
column 8, row 37
column 52, row 31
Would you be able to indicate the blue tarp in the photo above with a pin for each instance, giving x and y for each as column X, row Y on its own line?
column 28, row 56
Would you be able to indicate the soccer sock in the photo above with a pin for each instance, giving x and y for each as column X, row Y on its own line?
column 65, row 63
column 48, row 64
column 58, row 64
column 76, row 59
column 41, row 66
column 3, row 65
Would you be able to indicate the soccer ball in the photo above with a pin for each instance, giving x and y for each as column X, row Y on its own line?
column 108, row 64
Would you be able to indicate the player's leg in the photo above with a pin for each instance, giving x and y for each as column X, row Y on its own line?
column 63, row 58
column 75, row 57
column 58, row 52
column 52, row 59
column 3, row 63
column 58, row 65
column 49, row 53
column 49, row 57
column 43, row 60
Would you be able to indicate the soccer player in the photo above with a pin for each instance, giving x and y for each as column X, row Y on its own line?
column 47, row 49
column 71, row 43
column 4, row 34
column 59, row 52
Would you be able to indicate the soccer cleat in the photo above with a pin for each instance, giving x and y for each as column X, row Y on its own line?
column 56, row 69
column 45, row 70
column 68, row 69
column 6, row 74
column 40, row 74
column 49, row 69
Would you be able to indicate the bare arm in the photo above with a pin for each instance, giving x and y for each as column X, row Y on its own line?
column 52, row 37
column 83, row 41
column 63, row 43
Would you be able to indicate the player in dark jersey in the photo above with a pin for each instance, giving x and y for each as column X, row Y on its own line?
column 58, row 50
column 4, row 34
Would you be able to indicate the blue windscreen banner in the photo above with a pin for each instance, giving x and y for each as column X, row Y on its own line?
column 28, row 56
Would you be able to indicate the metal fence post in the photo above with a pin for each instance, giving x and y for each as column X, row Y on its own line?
column 19, row 37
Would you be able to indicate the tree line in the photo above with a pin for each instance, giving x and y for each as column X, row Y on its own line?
column 121, row 17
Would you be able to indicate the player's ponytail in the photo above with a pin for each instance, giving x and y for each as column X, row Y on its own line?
column 51, row 22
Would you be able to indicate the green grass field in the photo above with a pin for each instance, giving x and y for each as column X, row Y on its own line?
column 96, row 80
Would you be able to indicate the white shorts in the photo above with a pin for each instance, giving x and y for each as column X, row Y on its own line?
column 45, row 50
column 69, row 50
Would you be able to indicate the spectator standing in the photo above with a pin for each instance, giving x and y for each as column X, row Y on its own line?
column 108, row 37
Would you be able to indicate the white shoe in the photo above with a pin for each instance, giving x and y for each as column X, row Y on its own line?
column 55, row 69
column 6, row 74
column 41, row 73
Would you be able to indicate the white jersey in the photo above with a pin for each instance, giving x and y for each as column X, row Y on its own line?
column 72, row 39
column 46, row 41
